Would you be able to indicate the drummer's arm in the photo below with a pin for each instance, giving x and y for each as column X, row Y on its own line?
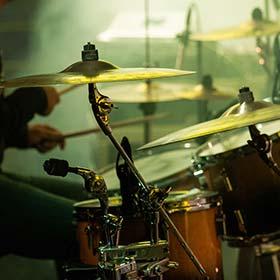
column 19, row 108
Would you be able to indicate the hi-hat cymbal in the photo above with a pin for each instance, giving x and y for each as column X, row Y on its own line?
column 97, row 71
column 237, row 116
column 256, row 27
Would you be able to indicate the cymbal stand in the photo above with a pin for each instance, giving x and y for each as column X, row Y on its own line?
column 262, row 47
column 276, row 84
column 101, row 107
column 184, row 40
column 263, row 51
column 263, row 144
column 147, row 108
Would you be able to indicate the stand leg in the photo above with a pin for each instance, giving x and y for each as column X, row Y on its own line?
column 267, row 255
column 147, row 109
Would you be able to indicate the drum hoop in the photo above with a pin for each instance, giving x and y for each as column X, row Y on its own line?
column 195, row 202
column 193, row 208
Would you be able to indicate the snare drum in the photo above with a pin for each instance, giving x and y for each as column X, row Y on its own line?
column 169, row 168
column 194, row 214
column 89, row 227
column 250, row 189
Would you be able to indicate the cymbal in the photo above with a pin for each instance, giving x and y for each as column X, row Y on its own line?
column 206, row 91
column 237, row 116
column 200, row 92
column 97, row 71
column 144, row 92
column 162, row 92
column 256, row 27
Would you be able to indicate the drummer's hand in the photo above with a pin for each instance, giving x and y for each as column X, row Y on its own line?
column 44, row 138
column 53, row 98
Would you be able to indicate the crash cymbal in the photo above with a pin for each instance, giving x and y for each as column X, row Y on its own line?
column 248, row 112
column 161, row 92
column 256, row 27
column 97, row 71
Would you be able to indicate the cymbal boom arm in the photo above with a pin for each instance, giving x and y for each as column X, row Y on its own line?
column 101, row 111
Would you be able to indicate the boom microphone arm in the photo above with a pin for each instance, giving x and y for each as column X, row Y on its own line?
column 94, row 183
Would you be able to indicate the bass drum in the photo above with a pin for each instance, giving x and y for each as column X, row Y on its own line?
column 169, row 168
column 249, row 188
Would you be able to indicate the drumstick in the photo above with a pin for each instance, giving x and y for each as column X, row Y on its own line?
column 117, row 124
column 68, row 89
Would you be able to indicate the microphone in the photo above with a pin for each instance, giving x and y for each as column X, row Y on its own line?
column 93, row 183
column 56, row 167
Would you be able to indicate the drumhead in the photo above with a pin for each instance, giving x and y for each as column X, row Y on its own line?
column 155, row 167
column 227, row 141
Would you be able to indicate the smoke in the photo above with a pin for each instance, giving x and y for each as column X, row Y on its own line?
column 53, row 39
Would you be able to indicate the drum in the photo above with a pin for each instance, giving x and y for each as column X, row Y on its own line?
column 249, row 188
column 194, row 214
column 89, row 228
column 169, row 168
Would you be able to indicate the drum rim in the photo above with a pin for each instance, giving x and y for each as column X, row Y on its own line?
column 192, row 198
column 202, row 200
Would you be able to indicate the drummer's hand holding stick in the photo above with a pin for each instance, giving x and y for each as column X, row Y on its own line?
column 44, row 137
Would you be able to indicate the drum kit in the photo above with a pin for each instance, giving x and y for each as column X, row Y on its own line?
column 173, row 234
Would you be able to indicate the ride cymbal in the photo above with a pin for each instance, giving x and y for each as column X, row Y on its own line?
column 246, row 113
column 206, row 91
column 256, row 27
column 199, row 92
column 97, row 71
column 145, row 92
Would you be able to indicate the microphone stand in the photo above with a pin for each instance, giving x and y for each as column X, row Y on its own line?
column 153, row 199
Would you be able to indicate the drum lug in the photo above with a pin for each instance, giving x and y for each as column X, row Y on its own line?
column 237, row 212
column 221, row 222
column 89, row 232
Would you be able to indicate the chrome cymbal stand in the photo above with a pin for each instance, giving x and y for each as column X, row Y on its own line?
column 260, row 142
column 101, row 107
